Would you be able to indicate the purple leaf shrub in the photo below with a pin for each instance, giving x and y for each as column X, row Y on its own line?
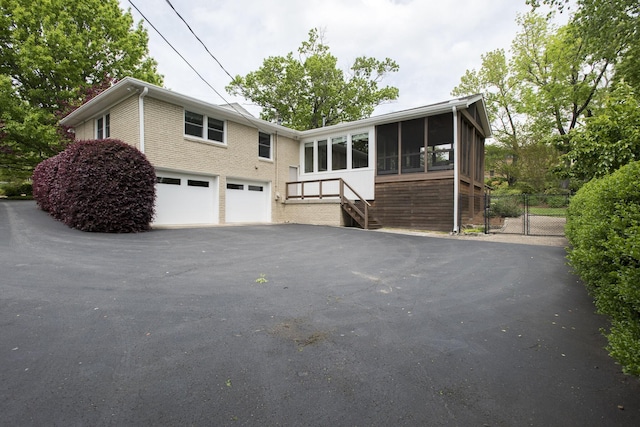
column 98, row 185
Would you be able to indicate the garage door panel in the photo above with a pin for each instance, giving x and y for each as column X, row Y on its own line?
column 185, row 199
column 247, row 202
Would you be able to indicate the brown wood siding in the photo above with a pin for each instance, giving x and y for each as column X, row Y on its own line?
column 471, row 203
column 426, row 205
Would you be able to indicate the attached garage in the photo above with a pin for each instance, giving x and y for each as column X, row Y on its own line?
column 247, row 201
column 184, row 199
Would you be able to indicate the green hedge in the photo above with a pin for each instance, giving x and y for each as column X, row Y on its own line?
column 603, row 228
column 16, row 189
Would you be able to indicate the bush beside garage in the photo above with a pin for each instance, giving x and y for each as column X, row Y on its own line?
column 98, row 186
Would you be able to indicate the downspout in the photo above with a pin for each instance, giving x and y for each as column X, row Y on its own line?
column 456, row 172
column 141, row 116
column 275, row 163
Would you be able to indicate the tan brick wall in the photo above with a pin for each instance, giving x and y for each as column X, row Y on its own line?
column 314, row 212
column 167, row 147
column 85, row 131
column 288, row 154
column 123, row 123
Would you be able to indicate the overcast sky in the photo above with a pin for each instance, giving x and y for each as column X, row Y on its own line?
column 433, row 41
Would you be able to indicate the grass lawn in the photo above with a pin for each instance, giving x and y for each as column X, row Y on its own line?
column 536, row 210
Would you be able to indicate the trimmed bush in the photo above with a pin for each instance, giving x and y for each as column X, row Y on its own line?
column 98, row 185
column 603, row 227
column 506, row 203
column 43, row 179
column 16, row 189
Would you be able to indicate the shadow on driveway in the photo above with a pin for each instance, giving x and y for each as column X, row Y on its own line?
column 295, row 325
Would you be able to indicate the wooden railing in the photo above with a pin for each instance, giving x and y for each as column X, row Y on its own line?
column 310, row 186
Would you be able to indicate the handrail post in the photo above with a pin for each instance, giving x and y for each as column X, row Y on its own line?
column 302, row 190
column 341, row 190
column 320, row 189
column 366, row 217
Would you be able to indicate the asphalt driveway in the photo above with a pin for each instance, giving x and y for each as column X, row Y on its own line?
column 296, row 326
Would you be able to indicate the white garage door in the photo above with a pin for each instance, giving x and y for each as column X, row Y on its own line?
column 247, row 201
column 183, row 199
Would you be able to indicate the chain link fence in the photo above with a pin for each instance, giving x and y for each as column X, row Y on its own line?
column 527, row 214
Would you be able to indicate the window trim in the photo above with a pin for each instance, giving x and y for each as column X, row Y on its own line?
column 106, row 126
column 260, row 145
column 314, row 150
column 204, row 136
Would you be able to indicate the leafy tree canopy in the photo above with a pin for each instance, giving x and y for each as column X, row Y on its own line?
column 537, row 93
column 51, row 54
column 609, row 29
column 308, row 90
column 610, row 138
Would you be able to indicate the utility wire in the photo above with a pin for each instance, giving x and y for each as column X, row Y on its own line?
column 249, row 119
column 198, row 38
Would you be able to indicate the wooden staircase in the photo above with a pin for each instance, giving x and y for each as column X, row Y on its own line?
column 355, row 210
column 358, row 209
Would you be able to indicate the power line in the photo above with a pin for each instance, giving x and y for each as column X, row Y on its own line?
column 248, row 119
column 198, row 38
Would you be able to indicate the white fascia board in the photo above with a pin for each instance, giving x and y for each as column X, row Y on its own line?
column 101, row 102
column 413, row 113
column 129, row 86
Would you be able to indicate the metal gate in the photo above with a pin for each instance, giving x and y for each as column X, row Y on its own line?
column 527, row 214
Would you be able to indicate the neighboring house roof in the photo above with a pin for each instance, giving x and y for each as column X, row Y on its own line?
column 239, row 108
column 130, row 86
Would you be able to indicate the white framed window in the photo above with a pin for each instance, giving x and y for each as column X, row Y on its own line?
column 204, row 127
column 340, row 152
column 360, row 150
column 103, row 127
column 264, row 145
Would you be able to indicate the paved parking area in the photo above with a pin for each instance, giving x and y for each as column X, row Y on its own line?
column 289, row 325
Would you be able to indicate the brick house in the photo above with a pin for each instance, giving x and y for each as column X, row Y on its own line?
column 419, row 168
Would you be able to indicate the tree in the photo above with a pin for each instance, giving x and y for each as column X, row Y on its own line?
column 51, row 54
column 540, row 94
column 561, row 78
column 497, row 82
column 21, row 134
column 610, row 138
column 309, row 91
column 610, row 30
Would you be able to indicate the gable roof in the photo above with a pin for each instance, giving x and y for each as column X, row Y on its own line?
column 413, row 113
column 130, row 86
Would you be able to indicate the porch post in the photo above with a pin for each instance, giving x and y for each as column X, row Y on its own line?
column 456, row 171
